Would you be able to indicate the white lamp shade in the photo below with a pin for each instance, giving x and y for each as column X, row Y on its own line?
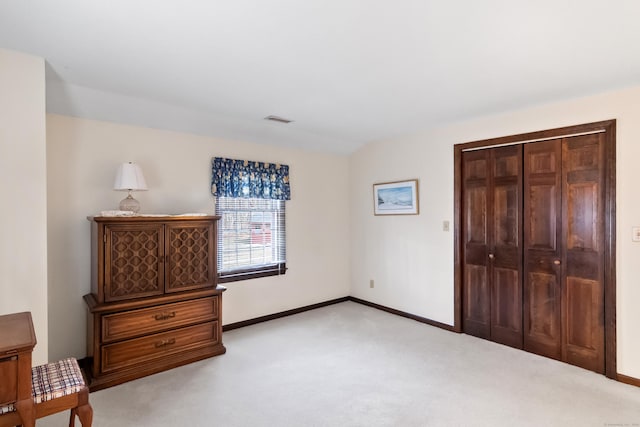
column 129, row 177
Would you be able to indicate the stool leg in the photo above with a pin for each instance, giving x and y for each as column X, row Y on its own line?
column 84, row 411
column 85, row 414
column 27, row 412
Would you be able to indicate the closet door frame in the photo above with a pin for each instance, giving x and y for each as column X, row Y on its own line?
column 608, row 128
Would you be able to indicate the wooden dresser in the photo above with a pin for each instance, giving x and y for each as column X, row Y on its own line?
column 154, row 302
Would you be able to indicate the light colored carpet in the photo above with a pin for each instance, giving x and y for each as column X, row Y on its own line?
column 351, row 365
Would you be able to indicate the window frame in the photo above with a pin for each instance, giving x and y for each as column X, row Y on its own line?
column 264, row 270
column 253, row 273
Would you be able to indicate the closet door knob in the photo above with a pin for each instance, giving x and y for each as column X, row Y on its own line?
column 556, row 262
column 491, row 256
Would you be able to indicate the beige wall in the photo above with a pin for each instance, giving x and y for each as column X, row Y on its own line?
column 23, row 191
column 82, row 159
column 411, row 258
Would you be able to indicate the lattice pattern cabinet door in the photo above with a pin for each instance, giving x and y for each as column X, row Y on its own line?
column 134, row 264
column 189, row 254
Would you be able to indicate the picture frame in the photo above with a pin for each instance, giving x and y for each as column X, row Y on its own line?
column 396, row 198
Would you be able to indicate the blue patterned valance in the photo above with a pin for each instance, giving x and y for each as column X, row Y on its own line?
column 247, row 179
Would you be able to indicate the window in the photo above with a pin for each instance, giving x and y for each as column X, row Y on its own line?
column 250, row 199
column 251, row 238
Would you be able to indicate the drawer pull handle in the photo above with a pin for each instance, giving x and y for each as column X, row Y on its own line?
column 165, row 316
column 165, row 343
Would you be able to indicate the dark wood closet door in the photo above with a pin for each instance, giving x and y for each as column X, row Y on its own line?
column 476, row 311
column 542, row 248
column 583, row 222
column 506, row 257
column 493, row 258
column 535, row 235
column 563, row 249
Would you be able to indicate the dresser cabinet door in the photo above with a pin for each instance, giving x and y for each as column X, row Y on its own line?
column 134, row 261
column 189, row 248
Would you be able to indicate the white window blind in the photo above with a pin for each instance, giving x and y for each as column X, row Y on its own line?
column 251, row 238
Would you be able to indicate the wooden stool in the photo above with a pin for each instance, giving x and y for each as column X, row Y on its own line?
column 57, row 386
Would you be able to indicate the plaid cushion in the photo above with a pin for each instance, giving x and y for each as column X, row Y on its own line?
column 7, row 408
column 53, row 380
column 56, row 379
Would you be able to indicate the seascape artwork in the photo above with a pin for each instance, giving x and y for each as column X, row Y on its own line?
column 396, row 198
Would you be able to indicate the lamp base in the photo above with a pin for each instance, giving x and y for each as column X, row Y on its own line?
column 129, row 204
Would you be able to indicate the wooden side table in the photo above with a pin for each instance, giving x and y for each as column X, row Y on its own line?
column 17, row 339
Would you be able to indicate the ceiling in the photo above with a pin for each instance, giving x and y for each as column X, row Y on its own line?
column 346, row 72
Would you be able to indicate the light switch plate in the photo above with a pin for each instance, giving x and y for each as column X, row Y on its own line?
column 445, row 225
column 636, row 234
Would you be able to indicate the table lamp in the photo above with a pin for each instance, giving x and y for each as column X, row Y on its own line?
column 129, row 178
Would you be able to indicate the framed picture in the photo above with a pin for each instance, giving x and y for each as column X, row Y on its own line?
column 396, row 198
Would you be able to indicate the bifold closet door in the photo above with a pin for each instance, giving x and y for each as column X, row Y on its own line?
column 492, row 222
column 564, row 250
column 543, row 248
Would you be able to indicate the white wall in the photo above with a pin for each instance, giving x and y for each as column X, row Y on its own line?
column 23, row 192
column 82, row 159
column 411, row 258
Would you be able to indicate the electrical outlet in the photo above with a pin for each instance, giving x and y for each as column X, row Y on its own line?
column 371, row 284
column 445, row 225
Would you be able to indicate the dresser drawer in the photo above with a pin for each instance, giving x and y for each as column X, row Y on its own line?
column 140, row 350
column 146, row 321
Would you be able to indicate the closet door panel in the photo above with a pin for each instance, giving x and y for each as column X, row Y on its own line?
column 506, row 307
column 476, row 202
column 505, row 248
column 583, row 338
column 543, row 328
column 476, row 310
column 477, row 301
column 542, row 219
column 582, row 216
column 542, row 249
column 583, row 219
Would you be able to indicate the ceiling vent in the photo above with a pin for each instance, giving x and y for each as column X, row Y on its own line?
column 278, row 119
